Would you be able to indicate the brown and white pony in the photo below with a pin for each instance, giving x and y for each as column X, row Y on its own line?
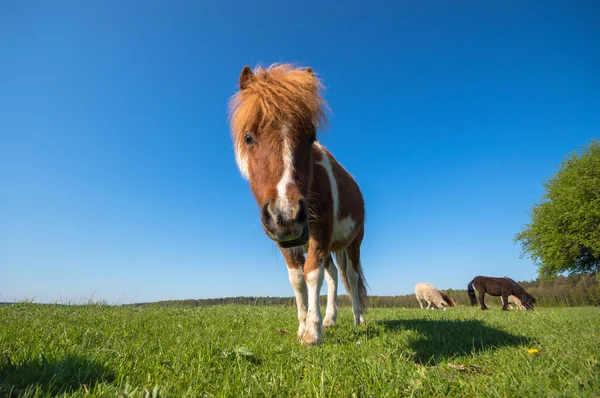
column 309, row 204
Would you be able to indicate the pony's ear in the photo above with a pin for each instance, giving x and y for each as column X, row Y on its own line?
column 314, row 78
column 245, row 77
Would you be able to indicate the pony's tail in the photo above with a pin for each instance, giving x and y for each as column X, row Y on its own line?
column 471, row 292
column 452, row 302
column 341, row 258
column 362, row 289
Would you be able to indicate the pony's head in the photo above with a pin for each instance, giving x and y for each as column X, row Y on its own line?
column 447, row 299
column 527, row 300
column 274, row 119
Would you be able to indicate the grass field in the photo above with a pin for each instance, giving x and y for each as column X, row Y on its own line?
column 252, row 351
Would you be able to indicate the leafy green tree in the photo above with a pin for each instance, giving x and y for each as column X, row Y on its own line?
column 564, row 232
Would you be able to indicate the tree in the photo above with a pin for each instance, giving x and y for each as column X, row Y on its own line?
column 564, row 232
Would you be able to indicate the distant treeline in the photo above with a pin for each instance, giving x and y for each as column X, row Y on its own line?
column 571, row 291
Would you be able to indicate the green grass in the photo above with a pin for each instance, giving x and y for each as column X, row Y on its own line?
column 245, row 351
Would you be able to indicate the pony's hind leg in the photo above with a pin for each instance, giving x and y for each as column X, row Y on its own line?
column 331, row 277
column 355, row 282
column 419, row 299
column 481, row 296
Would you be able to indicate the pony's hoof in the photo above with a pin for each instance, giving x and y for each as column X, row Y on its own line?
column 328, row 322
column 301, row 330
column 311, row 337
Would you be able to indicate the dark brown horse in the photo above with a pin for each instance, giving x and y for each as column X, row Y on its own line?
column 503, row 287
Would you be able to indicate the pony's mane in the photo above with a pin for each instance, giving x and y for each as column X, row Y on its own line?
column 533, row 300
column 277, row 93
column 447, row 298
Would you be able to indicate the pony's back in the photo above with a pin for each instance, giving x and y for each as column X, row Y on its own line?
column 422, row 288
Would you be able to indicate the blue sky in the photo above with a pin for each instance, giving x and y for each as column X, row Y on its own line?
column 117, row 175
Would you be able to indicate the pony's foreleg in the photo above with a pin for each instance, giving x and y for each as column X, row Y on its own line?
column 504, row 302
column 313, row 275
column 331, row 276
column 295, row 264
column 296, row 276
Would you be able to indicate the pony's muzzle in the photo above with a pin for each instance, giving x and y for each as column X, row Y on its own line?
column 287, row 226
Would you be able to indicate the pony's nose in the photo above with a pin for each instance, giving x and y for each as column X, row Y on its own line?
column 302, row 212
column 272, row 213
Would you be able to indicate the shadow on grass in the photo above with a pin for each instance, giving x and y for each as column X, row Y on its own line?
column 439, row 340
column 50, row 377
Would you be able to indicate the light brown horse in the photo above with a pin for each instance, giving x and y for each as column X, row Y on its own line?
column 514, row 300
column 309, row 204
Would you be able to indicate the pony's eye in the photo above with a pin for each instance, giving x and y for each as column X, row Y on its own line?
column 312, row 140
column 248, row 139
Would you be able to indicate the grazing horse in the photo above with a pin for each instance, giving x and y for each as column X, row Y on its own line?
column 503, row 287
column 428, row 292
column 309, row 204
column 513, row 300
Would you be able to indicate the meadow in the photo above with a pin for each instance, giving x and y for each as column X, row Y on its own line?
column 241, row 350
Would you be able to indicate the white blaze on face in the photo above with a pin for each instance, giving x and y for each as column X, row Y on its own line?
column 283, row 203
column 341, row 228
column 242, row 161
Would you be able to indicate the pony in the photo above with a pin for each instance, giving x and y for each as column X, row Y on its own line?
column 503, row 287
column 428, row 292
column 309, row 205
column 513, row 300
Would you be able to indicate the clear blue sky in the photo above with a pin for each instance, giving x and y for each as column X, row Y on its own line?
column 117, row 175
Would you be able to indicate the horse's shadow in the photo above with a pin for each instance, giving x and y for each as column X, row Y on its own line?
column 50, row 377
column 439, row 340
